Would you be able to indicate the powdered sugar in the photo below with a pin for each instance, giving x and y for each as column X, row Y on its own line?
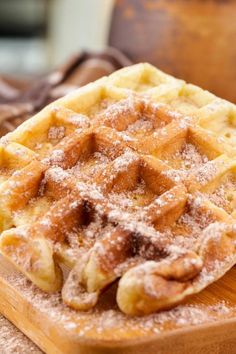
column 206, row 173
column 122, row 163
column 189, row 158
column 141, row 125
column 12, row 341
column 107, row 322
column 224, row 196
column 79, row 120
column 56, row 132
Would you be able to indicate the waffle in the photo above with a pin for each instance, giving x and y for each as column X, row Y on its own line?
column 130, row 179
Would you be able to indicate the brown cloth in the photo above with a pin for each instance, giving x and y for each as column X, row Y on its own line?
column 21, row 99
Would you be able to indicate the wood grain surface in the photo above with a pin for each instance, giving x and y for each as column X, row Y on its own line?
column 204, row 324
column 193, row 40
column 13, row 341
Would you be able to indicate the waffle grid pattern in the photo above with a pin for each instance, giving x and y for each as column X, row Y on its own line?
column 131, row 178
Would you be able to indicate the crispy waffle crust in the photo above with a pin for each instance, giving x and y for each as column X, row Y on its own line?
column 130, row 178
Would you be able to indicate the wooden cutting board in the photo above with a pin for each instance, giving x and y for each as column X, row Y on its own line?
column 204, row 324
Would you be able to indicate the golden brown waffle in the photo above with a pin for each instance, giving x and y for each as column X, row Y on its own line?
column 131, row 177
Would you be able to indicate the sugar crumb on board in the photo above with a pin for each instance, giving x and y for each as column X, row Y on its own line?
column 107, row 322
column 12, row 341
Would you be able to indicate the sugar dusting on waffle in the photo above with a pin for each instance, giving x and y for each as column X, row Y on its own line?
column 120, row 187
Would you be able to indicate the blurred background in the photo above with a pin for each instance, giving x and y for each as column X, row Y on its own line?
column 36, row 35
column 193, row 40
column 50, row 47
